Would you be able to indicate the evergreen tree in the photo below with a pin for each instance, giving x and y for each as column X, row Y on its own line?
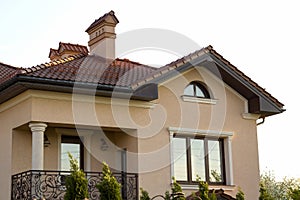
column 177, row 190
column 203, row 189
column 144, row 194
column 76, row 183
column 109, row 187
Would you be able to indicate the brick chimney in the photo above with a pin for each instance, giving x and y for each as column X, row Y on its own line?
column 102, row 35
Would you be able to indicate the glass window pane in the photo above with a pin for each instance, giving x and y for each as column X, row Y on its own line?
column 74, row 149
column 215, row 163
column 189, row 90
column 199, row 92
column 180, row 159
column 198, row 159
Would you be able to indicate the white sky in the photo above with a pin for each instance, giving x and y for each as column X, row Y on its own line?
column 261, row 38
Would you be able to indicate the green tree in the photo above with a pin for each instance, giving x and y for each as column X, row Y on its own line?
column 109, row 187
column 270, row 189
column 295, row 193
column 264, row 194
column 76, row 183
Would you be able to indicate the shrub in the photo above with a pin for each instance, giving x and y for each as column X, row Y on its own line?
column 109, row 187
column 176, row 189
column 76, row 183
column 144, row 195
column 240, row 195
column 203, row 189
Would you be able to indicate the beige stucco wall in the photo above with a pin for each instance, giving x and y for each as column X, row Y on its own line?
column 12, row 114
column 144, row 130
column 226, row 116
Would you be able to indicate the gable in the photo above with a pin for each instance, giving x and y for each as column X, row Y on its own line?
column 223, row 104
column 259, row 100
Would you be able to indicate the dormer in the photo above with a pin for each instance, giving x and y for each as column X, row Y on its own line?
column 53, row 54
column 102, row 35
column 67, row 49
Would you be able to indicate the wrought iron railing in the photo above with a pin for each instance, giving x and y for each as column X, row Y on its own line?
column 40, row 184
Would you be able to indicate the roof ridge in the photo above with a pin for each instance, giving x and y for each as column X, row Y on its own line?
column 51, row 63
column 168, row 67
column 10, row 66
column 68, row 43
column 136, row 63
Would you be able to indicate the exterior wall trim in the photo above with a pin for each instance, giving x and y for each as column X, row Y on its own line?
column 251, row 116
column 216, row 187
column 199, row 100
column 190, row 131
column 79, row 98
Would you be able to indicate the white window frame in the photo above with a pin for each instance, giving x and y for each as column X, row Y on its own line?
column 227, row 137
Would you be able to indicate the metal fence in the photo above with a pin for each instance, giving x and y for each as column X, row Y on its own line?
column 50, row 185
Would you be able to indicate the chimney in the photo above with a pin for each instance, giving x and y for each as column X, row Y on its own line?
column 102, row 35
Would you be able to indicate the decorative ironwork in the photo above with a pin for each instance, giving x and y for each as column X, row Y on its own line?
column 40, row 184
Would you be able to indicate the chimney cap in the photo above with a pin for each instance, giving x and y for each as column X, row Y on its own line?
column 104, row 18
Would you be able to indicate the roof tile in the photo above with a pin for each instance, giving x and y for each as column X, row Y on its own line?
column 92, row 69
column 7, row 72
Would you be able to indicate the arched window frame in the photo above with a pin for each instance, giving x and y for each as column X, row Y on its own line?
column 193, row 97
column 197, row 85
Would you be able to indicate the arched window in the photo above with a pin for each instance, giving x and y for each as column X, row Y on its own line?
column 196, row 89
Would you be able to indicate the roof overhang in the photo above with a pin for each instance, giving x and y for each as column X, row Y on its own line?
column 19, row 84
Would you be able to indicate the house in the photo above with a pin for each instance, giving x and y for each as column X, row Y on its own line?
column 196, row 116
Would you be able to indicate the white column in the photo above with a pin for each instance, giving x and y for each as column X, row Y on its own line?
column 228, row 161
column 37, row 130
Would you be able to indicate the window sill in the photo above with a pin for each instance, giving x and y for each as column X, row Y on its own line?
column 199, row 100
column 216, row 187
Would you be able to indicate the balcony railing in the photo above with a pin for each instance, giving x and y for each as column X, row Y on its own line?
column 36, row 184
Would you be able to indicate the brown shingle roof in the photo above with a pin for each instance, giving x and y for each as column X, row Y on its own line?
column 120, row 72
column 72, row 47
column 91, row 69
column 7, row 72
column 54, row 52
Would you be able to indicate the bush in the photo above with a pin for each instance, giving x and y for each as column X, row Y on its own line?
column 176, row 189
column 76, row 183
column 144, row 195
column 109, row 187
column 270, row 189
column 203, row 189
column 240, row 195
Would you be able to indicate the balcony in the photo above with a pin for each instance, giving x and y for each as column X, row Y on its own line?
column 41, row 184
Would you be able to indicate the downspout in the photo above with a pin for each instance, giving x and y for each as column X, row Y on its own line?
column 263, row 121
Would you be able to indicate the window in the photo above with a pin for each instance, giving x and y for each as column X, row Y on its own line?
column 73, row 145
column 198, row 156
column 196, row 89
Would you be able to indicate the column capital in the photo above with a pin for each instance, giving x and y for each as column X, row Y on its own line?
column 37, row 126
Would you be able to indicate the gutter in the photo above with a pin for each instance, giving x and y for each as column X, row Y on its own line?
column 21, row 83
